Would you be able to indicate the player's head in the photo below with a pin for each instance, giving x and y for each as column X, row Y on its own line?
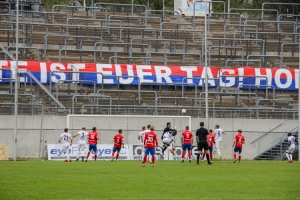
column 144, row 127
column 83, row 128
column 168, row 124
column 289, row 134
column 66, row 130
column 187, row 128
column 240, row 131
column 217, row 126
column 120, row 131
column 201, row 123
column 94, row 128
column 210, row 131
column 149, row 126
column 152, row 128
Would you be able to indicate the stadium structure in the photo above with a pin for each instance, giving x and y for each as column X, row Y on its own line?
column 128, row 60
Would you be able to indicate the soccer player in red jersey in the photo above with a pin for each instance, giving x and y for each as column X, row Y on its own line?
column 210, row 141
column 92, row 139
column 186, row 141
column 239, row 140
column 118, row 143
column 151, row 143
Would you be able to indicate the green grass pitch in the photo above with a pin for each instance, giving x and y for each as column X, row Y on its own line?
column 167, row 180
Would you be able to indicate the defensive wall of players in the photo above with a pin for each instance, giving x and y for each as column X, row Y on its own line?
column 260, row 134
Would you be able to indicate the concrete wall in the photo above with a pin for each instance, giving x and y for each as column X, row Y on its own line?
column 29, row 132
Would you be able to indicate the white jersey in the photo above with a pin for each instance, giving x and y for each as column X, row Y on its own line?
column 147, row 131
column 142, row 136
column 167, row 135
column 82, row 137
column 291, row 140
column 66, row 139
column 218, row 133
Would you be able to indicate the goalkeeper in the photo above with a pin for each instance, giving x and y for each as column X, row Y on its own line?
column 167, row 138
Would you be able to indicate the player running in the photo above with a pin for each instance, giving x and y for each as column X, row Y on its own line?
column 218, row 137
column 118, row 144
column 81, row 142
column 186, row 141
column 151, row 144
column 210, row 143
column 239, row 140
column 67, row 141
column 289, row 152
column 92, row 139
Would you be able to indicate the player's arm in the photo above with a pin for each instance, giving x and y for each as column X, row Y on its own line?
column 59, row 140
column 192, row 140
column 296, row 141
column 139, row 137
column 182, row 139
column 75, row 135
column 224, row 133
column 71, row 138
column 122, row 142
column 234, row 141
column 156, row 143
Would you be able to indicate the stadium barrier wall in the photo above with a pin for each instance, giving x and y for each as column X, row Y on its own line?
column 28, row 140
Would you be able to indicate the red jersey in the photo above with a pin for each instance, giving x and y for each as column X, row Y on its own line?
column 187, row 137
column 150, row 140
column 211, row 140
column 118, row 139
column 239, row 140
column 92, row 137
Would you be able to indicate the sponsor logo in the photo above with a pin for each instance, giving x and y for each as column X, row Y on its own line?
column 137, row 152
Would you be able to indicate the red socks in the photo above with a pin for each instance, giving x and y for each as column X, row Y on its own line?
column 95, row 157
column 145, row 158
column 240, row 158
column 88, row 154
column 153, row 159
column 234, row 156
column 117, row 156
column 210, row 154
column 113, row 154
column 203, row 155
column 189, row 154
column 182, row 155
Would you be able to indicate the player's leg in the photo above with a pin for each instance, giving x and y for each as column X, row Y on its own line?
column 118, row 153
column 210, row 153
column 145, row 156
column 199, row 152
column 218, row 148
column 152, row 152
column 95, row 152
column 184, row 147
column 88, row 153
column 234, row 154
column 291, row 150
column 206, row 153
column 190, row 152
column 65, row 150
column 240, row 154
column 113, row 153
column 78, row 151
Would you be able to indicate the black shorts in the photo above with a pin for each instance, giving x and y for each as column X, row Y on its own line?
column 202, row 145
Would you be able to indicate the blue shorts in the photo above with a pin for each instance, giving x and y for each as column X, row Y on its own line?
column 93, row 147
column 151, row 150
column 238, row 149
column 186, row 146
column 210, row 149
column 116, row 149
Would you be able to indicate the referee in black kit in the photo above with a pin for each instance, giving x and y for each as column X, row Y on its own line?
column 201, row 138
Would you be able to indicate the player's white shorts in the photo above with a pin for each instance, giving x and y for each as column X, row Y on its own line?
column 65, row 148
column 142, row 145
column 167, row 140
column 291, row 149
column 81, row 147
column 218, row 141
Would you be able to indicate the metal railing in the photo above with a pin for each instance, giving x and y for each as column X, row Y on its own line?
column 146, row 59
column 90, row 96
column 224, row 47
column 75, row 83
column 210, row 2
column 172, row 53
column 241, row 60
column 33, row 48
column 144, row 21
column 266, row 133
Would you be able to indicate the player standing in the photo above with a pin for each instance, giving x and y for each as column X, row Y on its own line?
column 289, row 152
column 141, row 136
column 239, row 140
column 201, row 138
column 118, row 144
column 151, row 144
column 92, row 138
column 67, row 141
column 147, row 131
column 218, row 137
column 81, row 142
column 211, row 141
column 186, row 141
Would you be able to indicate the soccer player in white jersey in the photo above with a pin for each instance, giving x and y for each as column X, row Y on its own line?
column 67, row 141
column 141, row 137
column 289, row 152
column 81, row 142
column 218, row 138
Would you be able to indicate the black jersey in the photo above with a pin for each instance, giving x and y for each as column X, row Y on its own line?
column 201, row 133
